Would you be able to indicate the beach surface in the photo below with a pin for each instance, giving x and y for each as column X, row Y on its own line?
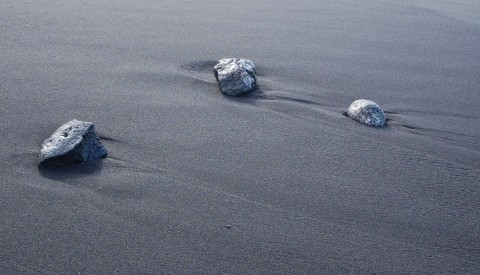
column 277, row 181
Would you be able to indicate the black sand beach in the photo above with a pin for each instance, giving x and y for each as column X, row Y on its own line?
column 278, row 181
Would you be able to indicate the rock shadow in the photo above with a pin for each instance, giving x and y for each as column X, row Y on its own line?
column 72, row 171
column 259, row 93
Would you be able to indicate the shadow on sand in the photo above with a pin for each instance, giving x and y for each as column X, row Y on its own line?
column 72, row 171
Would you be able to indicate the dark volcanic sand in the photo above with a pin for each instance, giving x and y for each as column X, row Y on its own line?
column 276, row 182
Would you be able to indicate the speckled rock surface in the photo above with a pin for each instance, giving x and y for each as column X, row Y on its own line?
column 367, row 112
column 235, row 76
column 74, row 141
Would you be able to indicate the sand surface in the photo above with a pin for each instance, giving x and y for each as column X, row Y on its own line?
column 279, row 181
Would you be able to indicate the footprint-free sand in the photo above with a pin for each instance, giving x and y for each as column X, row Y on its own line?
column 278, row 181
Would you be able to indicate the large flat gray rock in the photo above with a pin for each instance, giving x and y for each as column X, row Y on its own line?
column 235, row 76
column 74, row 141
column 367, row 112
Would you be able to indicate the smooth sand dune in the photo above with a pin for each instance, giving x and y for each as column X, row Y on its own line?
column 276, row 181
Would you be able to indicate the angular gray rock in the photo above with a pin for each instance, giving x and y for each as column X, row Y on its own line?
column 235, row 76
column 367, row 112
column 74, row 141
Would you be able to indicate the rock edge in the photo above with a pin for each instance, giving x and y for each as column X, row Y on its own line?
column 235, row 76
column 367, row 112
column 74, row 141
